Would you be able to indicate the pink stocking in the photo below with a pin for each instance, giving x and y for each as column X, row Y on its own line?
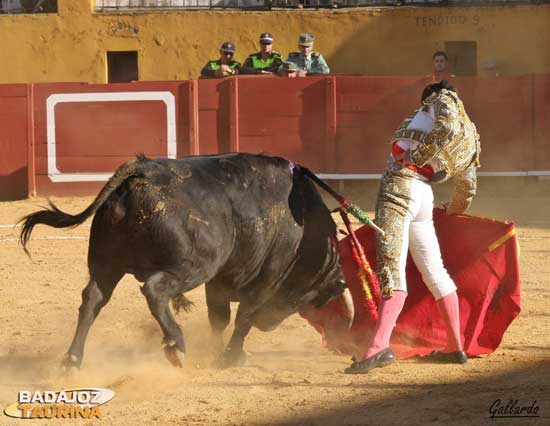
column 448, row 307
column 389, row 311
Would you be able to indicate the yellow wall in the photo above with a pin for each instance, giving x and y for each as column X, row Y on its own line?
column 71, row 45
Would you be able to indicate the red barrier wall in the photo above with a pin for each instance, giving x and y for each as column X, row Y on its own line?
column 278, row 121
column 95, row 134
column 13, row 141
column 72, row 136
column 212, row 109
column 502, row 109
column 541, row 122
column 369, row 110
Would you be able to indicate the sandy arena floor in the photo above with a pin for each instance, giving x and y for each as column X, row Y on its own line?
column 289, row 379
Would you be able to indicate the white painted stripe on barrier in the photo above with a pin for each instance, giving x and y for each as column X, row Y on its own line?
column 80, row 177
column 53, row 172
column 11, row 239
column 527, row 173
column 365, row 176
column 521, row 238
column 19, row 225
column 335, row 176
column 97, row 177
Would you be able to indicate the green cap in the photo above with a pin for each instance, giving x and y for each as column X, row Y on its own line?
column 290, row 66
column 306, row 39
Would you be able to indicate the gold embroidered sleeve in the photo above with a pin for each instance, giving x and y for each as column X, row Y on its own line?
column 403, row 128
column 447, row 123
column 465, row 185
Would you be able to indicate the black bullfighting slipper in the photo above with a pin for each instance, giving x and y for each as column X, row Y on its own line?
column 458, row 357
column 379, row 359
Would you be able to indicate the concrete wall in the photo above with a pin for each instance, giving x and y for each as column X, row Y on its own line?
column 71, row 45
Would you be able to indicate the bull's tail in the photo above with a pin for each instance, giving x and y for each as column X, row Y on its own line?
column 182, row 303
column 56, row 218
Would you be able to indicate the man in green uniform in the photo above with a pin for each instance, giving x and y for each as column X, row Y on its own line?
column 223, row 67
column 308, row 61
column 266, row 61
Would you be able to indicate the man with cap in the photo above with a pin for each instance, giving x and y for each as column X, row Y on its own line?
column 223, row 67
column 308, row 61
column 288, row 69
column 266, row 61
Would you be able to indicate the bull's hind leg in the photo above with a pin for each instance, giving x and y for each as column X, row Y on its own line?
column 159, row 289
column 95, row 296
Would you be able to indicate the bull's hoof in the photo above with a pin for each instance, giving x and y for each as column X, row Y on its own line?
column 70, row 364
column 232, row 359
column 217, row 346
column 173, row 354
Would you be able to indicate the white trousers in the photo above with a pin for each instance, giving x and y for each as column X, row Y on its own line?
column 420, row 238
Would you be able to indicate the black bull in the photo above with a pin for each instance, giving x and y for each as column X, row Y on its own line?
column 252, row 227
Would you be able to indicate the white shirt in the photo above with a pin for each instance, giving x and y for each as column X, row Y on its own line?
column 423, row 121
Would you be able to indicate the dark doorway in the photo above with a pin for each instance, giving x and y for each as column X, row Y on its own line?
column 122, row 67
column 462, row 56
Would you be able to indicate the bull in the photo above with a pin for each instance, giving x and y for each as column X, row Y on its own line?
column 253, row 228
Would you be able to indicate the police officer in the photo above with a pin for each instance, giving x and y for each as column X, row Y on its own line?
column 308, row 61
column 266, row 61
column 223, row 67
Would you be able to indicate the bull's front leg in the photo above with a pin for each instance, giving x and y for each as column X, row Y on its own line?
column 219, row 313
column 234, row 354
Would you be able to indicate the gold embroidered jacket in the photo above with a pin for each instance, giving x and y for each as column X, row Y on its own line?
column 454, row 142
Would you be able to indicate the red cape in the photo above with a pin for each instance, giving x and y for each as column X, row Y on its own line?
column 481, row 256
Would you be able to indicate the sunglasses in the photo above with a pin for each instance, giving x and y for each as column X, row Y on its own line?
column 228, row 53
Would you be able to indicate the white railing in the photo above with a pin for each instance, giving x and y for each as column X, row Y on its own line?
column 106, row 5
column 118, row 5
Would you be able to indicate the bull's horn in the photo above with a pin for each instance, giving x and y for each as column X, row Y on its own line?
column 347, row 302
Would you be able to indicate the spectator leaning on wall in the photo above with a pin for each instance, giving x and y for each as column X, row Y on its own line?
column 440, row 63
column 266, row 61
column 308, row 61
column 288, row 69
column 223, row 67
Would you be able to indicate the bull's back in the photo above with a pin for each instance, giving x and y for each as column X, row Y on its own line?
column 192, row 211
column 256, row 190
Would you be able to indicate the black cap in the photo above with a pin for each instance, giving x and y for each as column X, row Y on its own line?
column 266, row 38
column 228, row 47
